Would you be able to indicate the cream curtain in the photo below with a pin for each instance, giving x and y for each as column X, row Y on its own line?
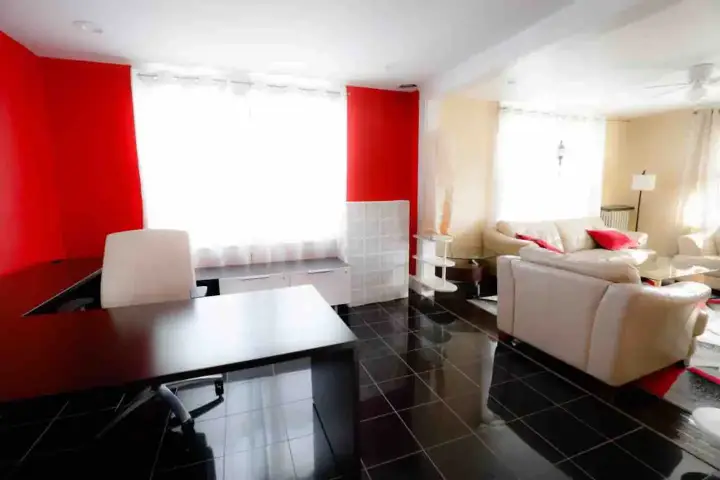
column 699, row 206
column 531, row 182
column 254, row 173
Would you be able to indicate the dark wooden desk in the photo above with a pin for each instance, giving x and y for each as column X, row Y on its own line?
column 26, row 289
column 157, row 343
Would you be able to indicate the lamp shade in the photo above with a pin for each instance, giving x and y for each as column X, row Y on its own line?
column 643, row 182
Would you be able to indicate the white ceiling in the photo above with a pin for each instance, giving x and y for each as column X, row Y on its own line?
column 607, row 71
column 365, row 42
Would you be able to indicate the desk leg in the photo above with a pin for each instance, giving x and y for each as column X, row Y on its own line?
column 336, row 395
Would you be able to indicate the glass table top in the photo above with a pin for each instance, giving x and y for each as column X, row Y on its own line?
column 665, row 268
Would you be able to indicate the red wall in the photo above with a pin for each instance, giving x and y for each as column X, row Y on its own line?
column 383, row 147
column 91, row 122
column 29, row 220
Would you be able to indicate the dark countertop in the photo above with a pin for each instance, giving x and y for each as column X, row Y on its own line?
column 237, row 271
column 26, row 289
column 64, row 352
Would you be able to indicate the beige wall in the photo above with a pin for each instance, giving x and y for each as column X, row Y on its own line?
column 462, row 148
column 658, row 144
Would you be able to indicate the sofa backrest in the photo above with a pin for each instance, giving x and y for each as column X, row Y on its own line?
column 543, row 230
column 615, row 272
column 573, row 232
column 567, row 235
column 713, row 246
column 550, row 307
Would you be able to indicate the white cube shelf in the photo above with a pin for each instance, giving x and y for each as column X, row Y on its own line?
column 377, row 248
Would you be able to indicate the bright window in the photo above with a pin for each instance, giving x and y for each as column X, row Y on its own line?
column 548, row 166
column 254, row 174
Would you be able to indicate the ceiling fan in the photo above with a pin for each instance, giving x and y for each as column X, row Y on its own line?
column 698, row 84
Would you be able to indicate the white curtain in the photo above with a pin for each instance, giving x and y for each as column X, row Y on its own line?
column 531, row 182
column 700, row 187
column 253, row 173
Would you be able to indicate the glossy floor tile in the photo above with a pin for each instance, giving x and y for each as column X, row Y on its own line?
column 413, row 467
column 466, row 458
column 434, row 423
column 439, row 398
column 563, row 431
column 385, row 438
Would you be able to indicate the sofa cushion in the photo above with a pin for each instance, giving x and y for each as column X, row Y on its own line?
column 543, row 230
column 573, row 232
column 611, row 239
column 539, row 242
column 630, row 256
column 616, row 272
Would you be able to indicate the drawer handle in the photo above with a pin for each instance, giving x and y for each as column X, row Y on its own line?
column 313, row 272
column 257, row 277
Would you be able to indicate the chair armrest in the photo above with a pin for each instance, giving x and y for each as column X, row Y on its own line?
column 198, row 292
column 640, row 238
column 501, row 244
column 695, row 244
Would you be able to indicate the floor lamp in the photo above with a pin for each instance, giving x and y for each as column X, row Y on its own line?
column 642, row 183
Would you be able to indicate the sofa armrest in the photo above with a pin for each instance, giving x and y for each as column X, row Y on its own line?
column 680, row 293
column 500, row 244
column 639, row 329
column 696, row 244
column 640, row 238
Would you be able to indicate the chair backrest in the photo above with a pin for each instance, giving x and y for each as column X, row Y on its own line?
column 146, row 266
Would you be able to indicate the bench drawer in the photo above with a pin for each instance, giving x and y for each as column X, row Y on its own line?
column 252, row 284
column 333, row 284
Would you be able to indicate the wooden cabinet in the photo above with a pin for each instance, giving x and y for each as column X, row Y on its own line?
column 252, row 283
column 330, row 276
column 333, row 284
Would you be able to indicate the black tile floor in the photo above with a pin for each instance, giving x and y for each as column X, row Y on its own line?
column 440, row 397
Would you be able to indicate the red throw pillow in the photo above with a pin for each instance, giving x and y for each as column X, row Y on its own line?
column 612, row 239
column 539, row 242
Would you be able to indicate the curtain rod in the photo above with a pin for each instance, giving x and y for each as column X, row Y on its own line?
column 155, row 76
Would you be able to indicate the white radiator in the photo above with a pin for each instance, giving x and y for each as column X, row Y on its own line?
column 616, row 216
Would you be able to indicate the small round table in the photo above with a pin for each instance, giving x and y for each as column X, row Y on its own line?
column 470, row 269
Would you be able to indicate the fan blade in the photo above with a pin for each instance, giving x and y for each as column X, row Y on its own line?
column 668, row 85
column 713, row 81
column 675, row 89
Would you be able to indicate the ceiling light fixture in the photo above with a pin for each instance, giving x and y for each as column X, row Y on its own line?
column 87, row 26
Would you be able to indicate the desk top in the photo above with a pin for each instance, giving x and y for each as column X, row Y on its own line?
column 26, row 289
column 64, row 352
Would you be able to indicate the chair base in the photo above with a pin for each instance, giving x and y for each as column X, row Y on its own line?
column 163, row 391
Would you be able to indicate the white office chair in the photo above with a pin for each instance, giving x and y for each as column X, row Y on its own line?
column 151, row 266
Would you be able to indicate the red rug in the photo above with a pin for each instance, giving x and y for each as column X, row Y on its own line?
column 687, row 388
column 660, row 382
column 711, row 376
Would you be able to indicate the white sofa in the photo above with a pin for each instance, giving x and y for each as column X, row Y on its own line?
column 701, row 248
column 570, row 236
column 597, row 316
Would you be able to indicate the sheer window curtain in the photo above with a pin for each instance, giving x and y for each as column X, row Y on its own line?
column 253, row 173
column 531, row 183
column 700, row 187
